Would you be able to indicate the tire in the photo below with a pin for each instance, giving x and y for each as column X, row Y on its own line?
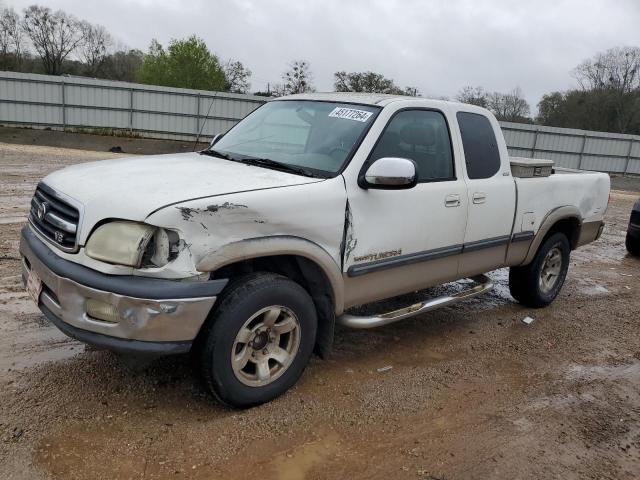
column 536, row 285
column 633, row 245
column 260, row 318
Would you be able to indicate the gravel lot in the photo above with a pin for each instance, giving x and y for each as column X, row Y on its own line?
column 472, row 392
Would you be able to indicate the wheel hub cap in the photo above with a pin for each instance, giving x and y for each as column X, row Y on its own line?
column 550, row 271
column 265, row 346
column 260, row 341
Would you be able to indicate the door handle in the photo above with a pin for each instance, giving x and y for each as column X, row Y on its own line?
column 479, row 197
column 452, row 200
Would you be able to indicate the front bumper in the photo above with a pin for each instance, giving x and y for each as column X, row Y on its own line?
column 155, row 316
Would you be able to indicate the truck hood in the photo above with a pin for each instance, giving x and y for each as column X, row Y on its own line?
column 134, row 187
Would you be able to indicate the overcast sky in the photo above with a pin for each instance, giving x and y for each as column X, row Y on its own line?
column 436, row 46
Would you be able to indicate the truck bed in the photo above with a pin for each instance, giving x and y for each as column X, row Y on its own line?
column 587, row 192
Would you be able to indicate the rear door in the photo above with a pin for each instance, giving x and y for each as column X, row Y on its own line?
column 491, row 194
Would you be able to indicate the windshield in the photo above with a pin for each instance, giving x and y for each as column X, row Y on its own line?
column 301, row 133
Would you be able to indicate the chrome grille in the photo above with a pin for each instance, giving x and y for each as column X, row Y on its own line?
column 54, row 218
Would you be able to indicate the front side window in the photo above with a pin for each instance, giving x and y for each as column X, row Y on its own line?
column 313, row 135
column 480, row 146
column 422, row 136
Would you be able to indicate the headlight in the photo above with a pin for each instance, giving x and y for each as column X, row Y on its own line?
column 132, row 244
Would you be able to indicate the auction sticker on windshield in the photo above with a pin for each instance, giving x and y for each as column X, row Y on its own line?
column 350, row 114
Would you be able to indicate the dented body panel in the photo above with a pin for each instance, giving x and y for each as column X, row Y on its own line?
column 313, row 212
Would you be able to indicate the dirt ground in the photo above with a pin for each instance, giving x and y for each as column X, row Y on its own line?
column 472, row 392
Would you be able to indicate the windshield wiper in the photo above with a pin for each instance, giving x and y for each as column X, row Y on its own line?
column 285, row 167
column 261, row 162
column 215, row 153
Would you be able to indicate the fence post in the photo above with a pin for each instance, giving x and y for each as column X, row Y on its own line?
column 198, row 114
column 64, row 107
column 131, row 111
column 535, row 143
column 626, row 165
column 584, row 141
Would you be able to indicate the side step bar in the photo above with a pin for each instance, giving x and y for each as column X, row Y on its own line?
column 482, row 284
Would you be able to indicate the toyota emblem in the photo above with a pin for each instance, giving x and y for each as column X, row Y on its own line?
column 42, row 210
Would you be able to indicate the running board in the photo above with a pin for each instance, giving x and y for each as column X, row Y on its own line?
column 482, row 284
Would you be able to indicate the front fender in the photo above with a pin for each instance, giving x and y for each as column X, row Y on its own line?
column 278, row 245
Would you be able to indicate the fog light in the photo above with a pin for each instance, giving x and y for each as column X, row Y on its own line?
column 102, row 311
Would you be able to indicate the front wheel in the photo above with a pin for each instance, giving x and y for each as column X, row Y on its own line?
column 538, row 284
column 259, row 339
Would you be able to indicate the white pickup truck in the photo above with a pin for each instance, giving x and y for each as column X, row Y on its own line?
column 248, row 253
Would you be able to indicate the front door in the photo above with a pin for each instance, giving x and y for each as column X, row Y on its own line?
column 397, row 241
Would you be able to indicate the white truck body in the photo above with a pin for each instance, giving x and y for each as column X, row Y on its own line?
column 367, row 243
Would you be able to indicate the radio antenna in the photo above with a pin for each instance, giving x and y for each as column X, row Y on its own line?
column 203, row 123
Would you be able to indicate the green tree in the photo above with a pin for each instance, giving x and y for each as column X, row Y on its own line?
column 596, row 109
column 185, row 64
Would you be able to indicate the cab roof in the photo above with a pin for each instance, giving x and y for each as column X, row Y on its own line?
column 379, row 99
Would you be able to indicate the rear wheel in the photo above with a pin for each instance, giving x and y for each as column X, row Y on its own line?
column 259, row 339
column 538, row 284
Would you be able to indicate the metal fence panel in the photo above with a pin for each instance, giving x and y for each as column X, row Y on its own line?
column 519, row 139
column 176, row 113
column 634, row 166
column 150, row 111
column 553, row 142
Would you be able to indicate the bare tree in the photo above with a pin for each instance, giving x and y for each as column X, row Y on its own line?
column 510, row 107
column 617, row 68
column 473, row 95
column 237, row 77
column 94, row 47
column 412, row 92
column 298, row 79
column 54, row 35
column 370, row 82
column 11, row 39
column 616, row 73
column 278, row 90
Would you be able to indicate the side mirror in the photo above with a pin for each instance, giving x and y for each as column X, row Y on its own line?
column 390, row 173
column 215, row 138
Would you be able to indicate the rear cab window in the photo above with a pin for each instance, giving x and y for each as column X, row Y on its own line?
column 480, row 146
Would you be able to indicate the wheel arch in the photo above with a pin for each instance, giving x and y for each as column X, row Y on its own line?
column 296, row 258
column 567, row 220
